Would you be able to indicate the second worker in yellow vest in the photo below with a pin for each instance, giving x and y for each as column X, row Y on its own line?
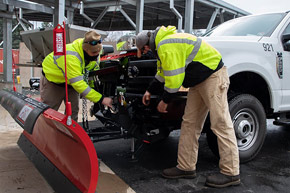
column 186, row 60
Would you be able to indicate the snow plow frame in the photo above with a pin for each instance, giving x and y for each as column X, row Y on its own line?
column 63, row 154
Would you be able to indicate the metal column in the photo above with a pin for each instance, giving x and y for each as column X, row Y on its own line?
column 178, row 15
column 189, row 10
column 58, row 16
column 7, row 52
column 222, row 20
column 139, row 15
column 70, row 17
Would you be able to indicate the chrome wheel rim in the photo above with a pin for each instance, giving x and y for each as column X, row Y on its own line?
column 246, row 128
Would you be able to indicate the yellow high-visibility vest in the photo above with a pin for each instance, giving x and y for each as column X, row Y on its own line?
column 54, row 70
column 176, row 51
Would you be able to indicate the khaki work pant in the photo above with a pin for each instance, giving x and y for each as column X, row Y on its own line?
column 53, row 95
column 209, row 96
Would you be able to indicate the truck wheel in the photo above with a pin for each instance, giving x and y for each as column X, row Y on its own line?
column 249, row 122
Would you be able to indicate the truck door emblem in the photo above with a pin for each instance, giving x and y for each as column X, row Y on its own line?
column 279, row 64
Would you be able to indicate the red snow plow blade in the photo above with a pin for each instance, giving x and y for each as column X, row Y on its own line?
column 63, row 154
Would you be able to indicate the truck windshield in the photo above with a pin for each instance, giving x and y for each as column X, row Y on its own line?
column 258, row 25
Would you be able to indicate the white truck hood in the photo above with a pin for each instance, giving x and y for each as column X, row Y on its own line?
column 228, row 45
column 232, row 38
column 240, row 51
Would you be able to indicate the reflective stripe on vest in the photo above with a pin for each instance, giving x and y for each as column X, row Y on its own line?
column 159, row 78
column 189, row 59
column 55, row 62
column 85, row 92
column 171, row 90
column 67, row 53
column 76, row 79
column 194, row 51
column 75, row 54
column 173, row 72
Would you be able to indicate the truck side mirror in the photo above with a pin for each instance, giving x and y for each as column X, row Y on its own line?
column 107, row 49
column 286, row 42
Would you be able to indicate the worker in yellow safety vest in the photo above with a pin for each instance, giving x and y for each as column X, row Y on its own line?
column 83, row 55
column 188, row 61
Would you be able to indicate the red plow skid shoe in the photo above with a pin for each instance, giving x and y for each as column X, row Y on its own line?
column 63, row 154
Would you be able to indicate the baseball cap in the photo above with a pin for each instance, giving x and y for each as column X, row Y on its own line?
column 142, row 39
column 92, row 41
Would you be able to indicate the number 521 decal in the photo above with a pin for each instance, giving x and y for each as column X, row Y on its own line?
column 268, row 47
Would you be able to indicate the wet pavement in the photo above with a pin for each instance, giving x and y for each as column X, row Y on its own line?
column 268, row 172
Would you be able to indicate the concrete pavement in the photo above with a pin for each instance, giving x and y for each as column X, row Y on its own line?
column 18, row 174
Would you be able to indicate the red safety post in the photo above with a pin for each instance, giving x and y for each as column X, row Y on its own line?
column 13, row 73
column 59, row 48
column 58, row 146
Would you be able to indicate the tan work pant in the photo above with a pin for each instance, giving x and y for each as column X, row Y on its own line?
column 53, row 95
column 210, row 95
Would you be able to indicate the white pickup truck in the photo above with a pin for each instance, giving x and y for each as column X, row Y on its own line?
column 256, row 51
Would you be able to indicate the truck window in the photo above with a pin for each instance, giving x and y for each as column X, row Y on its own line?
column 286, row 39
column 287, row 30
column 258, row 25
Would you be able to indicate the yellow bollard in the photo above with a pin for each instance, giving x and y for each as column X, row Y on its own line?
column 18, row 79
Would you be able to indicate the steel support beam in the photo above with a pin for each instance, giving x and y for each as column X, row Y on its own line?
column 127, row 17
column 7, row 49
column 15, row 27
column 212, row 19
column 226, row 6
column 139, row 15
column 100, row 17
column 22, row 21
column 178, row 15
column 222, row 19
column 59, row 10
column 28, row 5
column 131, row 2
column 70, row 16
column 82, row 13
column 6, row 14
column 189, row 10
column 104, row 4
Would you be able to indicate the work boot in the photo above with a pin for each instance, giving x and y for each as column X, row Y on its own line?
column 221, row 180
column 177, row 173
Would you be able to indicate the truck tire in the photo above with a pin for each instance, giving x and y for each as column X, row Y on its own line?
column 249, row 122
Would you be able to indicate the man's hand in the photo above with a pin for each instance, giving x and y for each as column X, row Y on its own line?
column 107, row 101
column 146, row 98
column 139, row 53
column 162, row 106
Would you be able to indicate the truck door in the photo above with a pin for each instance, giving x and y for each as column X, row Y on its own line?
column 283, row 61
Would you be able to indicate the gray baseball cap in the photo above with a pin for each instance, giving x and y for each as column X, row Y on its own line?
column 142, row 39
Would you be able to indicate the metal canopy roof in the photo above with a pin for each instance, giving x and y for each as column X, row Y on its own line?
column 156, row 12
column 113, row 15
